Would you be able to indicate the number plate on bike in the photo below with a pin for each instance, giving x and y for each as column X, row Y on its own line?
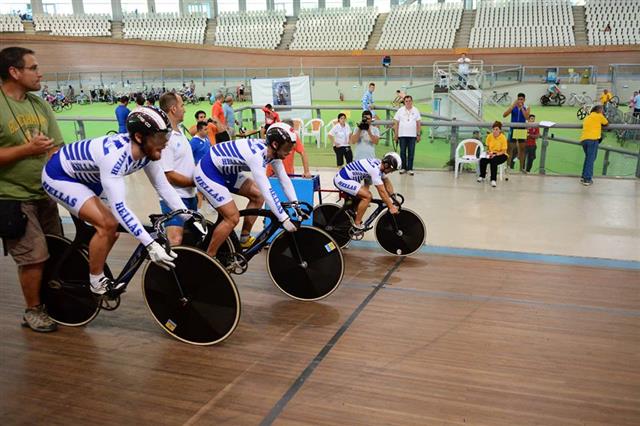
column 170, row 325
column 330, row 247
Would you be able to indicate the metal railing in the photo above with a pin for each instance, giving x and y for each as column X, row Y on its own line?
column 434, row 121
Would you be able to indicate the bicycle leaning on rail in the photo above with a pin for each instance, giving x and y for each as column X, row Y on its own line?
column 496, row 98
column 402, row 234
column 196, row 302
column 305, row 265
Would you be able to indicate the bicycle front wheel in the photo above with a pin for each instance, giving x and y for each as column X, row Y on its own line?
column 197, row 302
column 332, row 219
column 306, row 264
column 406, row 238
column 65, row 284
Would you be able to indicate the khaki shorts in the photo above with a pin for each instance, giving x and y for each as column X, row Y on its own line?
column 42, row 218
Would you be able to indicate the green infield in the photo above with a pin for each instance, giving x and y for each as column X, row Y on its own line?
column 430, row 153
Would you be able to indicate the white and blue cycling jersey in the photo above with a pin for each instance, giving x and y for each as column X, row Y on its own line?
column 95, row 167
column 350, row 178
column 221, row 172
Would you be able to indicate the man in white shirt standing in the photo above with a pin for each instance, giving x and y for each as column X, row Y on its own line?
column 406, row 128
column 339, row 137
column 178, row 165
column 463, row 70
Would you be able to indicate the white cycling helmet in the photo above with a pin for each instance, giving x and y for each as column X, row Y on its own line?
column 280, row 133
column 392, row 160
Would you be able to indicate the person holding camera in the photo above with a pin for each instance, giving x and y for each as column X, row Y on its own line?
column 365, row 137
column 406, row 128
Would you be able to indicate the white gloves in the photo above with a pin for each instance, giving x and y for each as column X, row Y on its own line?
column 289, row 226
column 160, row 257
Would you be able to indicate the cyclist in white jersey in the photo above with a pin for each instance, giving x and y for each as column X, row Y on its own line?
column 79, row 173
column 351, row 179
column 220, row 172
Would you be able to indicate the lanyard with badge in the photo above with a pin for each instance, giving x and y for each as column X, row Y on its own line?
column 27, row 138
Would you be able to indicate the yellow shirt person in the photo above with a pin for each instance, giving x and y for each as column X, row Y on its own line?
column 592, row 126
column 496, row 145
column 605, row 97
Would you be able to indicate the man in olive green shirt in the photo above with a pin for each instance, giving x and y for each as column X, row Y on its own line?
column 29, row 134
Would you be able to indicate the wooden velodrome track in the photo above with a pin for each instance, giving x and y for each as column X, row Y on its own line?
column 425, row 340
column 405, row 341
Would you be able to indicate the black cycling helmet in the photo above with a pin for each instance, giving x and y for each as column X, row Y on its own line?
column 148, row 120
column 280, row 133
column 392, row 160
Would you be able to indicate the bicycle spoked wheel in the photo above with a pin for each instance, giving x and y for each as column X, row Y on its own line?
column 67, row 295
column 407, row 238
column 309, row 269
column 334, row 221
column 207, row 311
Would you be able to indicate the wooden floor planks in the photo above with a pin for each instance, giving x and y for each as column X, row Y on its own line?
column 447, row 340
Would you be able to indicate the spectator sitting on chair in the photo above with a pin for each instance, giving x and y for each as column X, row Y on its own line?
column 339, row 137
column 496, row 153
column 122, row 112
column 517, row 137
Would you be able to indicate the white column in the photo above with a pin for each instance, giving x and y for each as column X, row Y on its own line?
column 36, row 7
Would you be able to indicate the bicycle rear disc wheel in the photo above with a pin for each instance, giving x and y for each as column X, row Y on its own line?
column 334, row 221
column 407, row 239
column 315, row 273
column 208, row 310
column 67, row 296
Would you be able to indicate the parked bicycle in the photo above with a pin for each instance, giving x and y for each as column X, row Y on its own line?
column 402, row 234
column 498, row 98
column 557, row 100
column 583, row 111
column 305, row 265
column 196, row 302
column 581, row 100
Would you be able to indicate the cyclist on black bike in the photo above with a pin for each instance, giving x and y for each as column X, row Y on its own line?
column 350, row 180
column 80, row 172
column 221, row 172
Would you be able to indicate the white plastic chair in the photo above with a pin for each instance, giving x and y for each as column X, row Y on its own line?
column 468, row 152
column 327, row 129
column 314, row 128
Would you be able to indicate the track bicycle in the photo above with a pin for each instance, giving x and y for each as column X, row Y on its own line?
column 196, row 302
column 582, row 100
column 305, row 265
column 499, row 98
column 583, row 111
column 402, row 234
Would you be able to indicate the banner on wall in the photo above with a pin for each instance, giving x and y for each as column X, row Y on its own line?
column 281, row 92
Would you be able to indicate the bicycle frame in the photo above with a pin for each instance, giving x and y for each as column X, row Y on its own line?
column 85, row 232
column 265, row 235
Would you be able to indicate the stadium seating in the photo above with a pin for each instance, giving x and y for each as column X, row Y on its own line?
column 421, row 27
column 258, row 29
column 87, row 25
column 165, row 27
column 532, row 23
column 620, row 15
column 334, row 28
column 10, row 24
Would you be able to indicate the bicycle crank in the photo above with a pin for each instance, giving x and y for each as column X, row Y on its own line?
column 110, row 303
